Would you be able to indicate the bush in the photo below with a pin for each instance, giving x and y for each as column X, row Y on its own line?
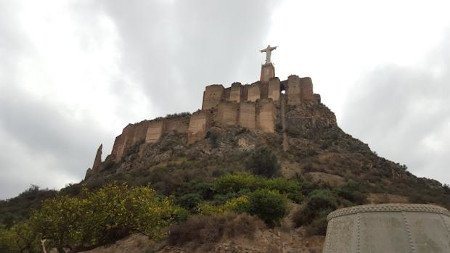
column 242, row 183
column 319, row 204
column 269, row 206
column 263, row 161
column 19, row 238
column 238, row 205
column 189, row 201
column 352, row 193
column 104, row 216
column 201, row 230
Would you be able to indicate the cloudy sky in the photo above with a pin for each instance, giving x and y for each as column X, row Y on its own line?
column 74, row 73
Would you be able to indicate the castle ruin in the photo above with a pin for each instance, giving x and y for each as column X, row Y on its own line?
column 253, row 106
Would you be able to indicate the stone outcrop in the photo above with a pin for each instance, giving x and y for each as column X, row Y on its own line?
column 98, row 159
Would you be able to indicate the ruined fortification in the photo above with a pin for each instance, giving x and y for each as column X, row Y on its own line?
column 253, row 106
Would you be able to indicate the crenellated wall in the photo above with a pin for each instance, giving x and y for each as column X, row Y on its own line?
column 254, row 106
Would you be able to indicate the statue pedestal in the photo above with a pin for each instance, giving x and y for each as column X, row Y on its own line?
column 267, row 72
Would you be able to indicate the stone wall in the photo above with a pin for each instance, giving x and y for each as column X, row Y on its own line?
column 253, row 92
column 293, row 90
column 267, row 72
column 274, row 89
column 140, row 131
column 227, row 113
column 251, row 106
column 306, row 87
column 247, row 115
column 176, row 125
column 235, row 92
column 155, row 131
column 266, row 116
column 198, row 124
column 212, row 96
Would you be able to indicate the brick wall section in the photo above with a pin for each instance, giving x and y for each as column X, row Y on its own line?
column 274, row 90
column 247, row 115
column 154, row 131
column 227, row 114
column 253, row 92
column 306, row 87
column 212, row 96
column 198, row 124
column 266, row 116
column 293, row 90
column 235, row 93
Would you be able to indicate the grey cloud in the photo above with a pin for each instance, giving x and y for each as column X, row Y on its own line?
column 404, row 113
column 174, row 49
column 42, row 139
column 170, row 49
column 40, row 144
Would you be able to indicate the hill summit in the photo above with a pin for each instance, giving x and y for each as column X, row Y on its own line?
column 276, row 129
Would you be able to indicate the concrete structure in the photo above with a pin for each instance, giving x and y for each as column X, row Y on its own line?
column 388, row 228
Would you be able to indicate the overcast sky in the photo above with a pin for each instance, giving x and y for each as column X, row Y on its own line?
column 74, row 73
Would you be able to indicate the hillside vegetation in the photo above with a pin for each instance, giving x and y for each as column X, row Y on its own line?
column 233, row 184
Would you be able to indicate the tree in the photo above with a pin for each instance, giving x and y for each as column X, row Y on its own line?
column 270, row 206
column 106, row 215
column 263, row 161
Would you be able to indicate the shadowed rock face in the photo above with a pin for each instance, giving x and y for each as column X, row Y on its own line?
column 388, row 228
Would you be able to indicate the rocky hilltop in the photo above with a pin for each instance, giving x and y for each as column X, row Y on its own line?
column 288, row 119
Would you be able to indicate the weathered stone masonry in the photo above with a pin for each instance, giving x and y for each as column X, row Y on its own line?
column 254, row 106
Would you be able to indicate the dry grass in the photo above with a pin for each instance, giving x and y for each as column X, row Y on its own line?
column 200, row 230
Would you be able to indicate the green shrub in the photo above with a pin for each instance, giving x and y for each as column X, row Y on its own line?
column 243, row 183
column 189, row 201
column 322, row 200
column 270, row 206
column 352, row 193
column 104, row 216
column 238, row 205
column 262, row 161
column 313, row 214
column 19, row 238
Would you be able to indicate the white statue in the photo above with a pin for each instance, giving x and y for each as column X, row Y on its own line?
column 268, row 52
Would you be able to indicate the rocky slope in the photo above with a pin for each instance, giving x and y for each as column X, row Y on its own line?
column 308, row 144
